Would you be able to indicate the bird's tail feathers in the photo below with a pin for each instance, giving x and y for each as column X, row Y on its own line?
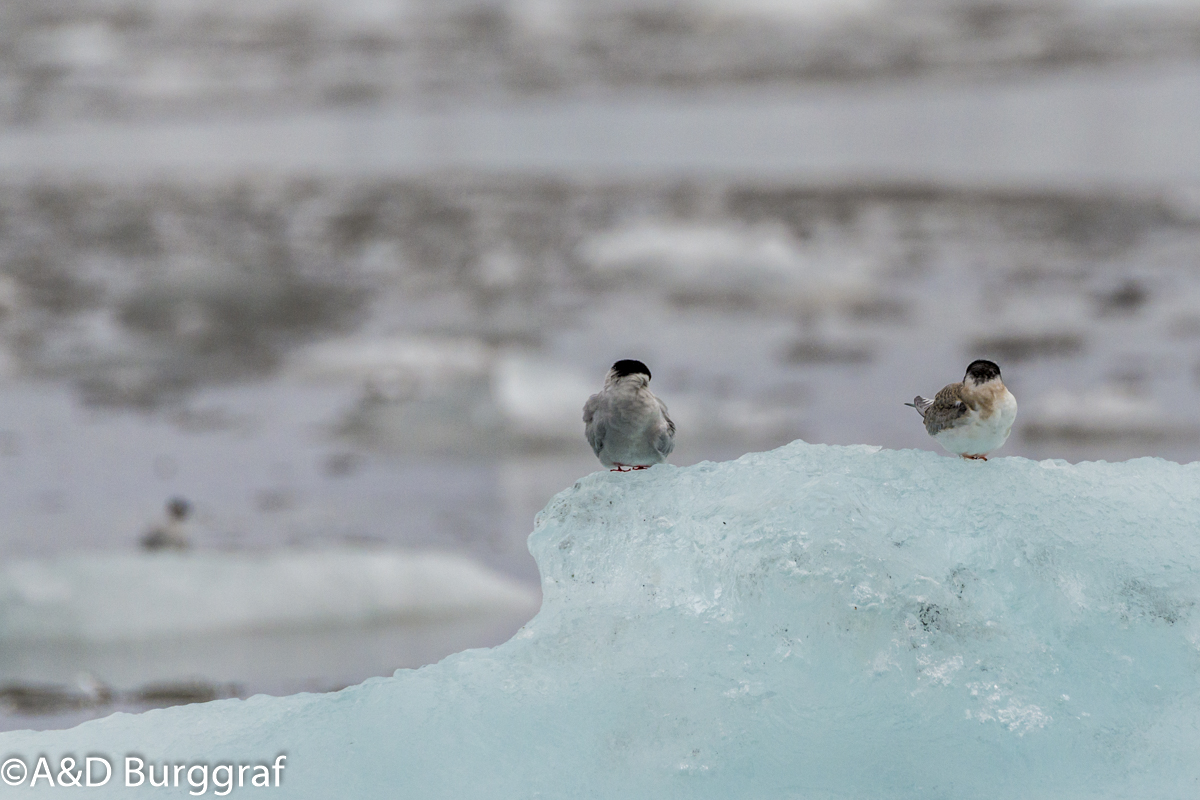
column 920, row 404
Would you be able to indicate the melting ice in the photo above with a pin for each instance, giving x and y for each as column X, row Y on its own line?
column 812, row 622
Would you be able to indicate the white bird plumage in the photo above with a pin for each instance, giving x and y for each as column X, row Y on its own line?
column 971, row 418
column 626, row 425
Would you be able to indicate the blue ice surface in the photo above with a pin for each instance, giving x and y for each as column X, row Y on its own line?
column 812, row 622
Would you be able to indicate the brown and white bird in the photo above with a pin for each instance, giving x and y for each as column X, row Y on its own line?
column 971, row 418
column 626, row 425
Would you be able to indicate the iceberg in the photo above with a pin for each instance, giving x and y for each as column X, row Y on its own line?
column 123, row 597
column 706, row 263
column 1104, row 413
column 812, row 622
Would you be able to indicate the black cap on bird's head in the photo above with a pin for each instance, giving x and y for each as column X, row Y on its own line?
column 982, row 372
column 628, row 366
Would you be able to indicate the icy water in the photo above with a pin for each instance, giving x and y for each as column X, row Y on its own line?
column 377, row 328
column 1127, row 125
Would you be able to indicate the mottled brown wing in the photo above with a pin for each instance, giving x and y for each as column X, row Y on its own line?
column 947, row 409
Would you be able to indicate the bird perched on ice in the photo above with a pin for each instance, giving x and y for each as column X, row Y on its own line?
column 171, row 535
column 625, row 423
column 971, row 418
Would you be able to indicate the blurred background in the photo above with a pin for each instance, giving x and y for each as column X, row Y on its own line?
column 341, row 274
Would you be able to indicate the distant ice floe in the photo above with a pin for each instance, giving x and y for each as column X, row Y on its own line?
column 106, row 597
column 416, row 394
column 394, row 367
column 736, row 419
column 450, row 395
column 809, row 12
column 543, row 18
column 1101, row 414
column 541, row 402
column 541, row 399
column 711, row 262
column 457, row 397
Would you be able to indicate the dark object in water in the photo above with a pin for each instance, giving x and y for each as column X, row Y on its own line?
column 1025, row 347
column 48, row 698
column 170, row 536
column 173, row 694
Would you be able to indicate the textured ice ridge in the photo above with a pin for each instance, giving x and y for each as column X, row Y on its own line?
column 813, row 622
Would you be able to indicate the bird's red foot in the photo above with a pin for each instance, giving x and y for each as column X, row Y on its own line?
column 975, row 458
column 643, row 466
column 621, row 468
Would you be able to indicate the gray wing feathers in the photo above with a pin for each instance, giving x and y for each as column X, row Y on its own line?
column 665, row 442
column 593, row 428
column 589, row 408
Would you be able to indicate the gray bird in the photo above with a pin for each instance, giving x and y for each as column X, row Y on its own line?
column 626, row 425
column 971, row 418
column 172, row 535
